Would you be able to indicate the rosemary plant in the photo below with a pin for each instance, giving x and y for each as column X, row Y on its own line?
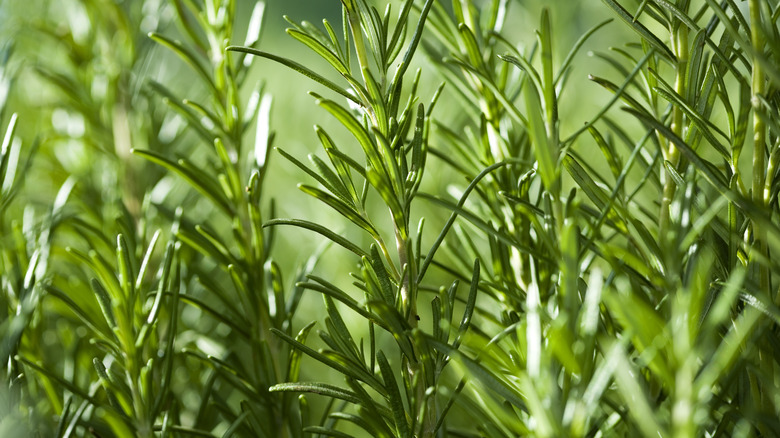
column 393, row 137
column 591, row 289
column 521, row 266
column 236, row 282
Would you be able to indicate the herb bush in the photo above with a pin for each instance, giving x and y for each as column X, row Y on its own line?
column 532, row 241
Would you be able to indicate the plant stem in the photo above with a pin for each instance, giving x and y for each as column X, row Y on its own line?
column 682, row 423
column 415, row 367
column 672, row 154
column 759, row 180
column 759, row 135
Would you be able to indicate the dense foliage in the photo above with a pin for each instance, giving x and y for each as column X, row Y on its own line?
column 516, row 239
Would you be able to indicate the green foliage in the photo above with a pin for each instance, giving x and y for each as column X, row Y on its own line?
column 515, row 263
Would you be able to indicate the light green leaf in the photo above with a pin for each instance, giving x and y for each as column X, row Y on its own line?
column 185, row 54
column 320, row 229
column 641, row 30
column 299, row 68
column 198, row 179
column 542, row 144
column 468, row 312
column 396, row 402
column 317, row 388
